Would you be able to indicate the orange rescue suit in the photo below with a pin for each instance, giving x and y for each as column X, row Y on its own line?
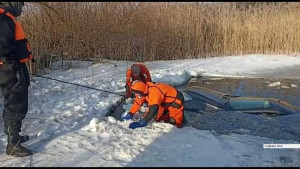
column 166, row 97
column 22, row 45
column 143, row 76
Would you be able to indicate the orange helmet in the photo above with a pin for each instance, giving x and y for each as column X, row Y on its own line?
column 139, row 87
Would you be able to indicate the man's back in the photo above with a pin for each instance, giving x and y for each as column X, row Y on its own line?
column 7, row 36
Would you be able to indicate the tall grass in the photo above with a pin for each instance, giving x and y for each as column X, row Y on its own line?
column 159, row 30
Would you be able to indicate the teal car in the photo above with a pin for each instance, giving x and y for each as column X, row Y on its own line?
column 203, row 99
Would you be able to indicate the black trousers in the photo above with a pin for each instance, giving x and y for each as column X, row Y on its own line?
column 15, row 99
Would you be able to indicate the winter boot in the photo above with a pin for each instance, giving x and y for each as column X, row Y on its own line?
column 14, row 147
column 23, row 138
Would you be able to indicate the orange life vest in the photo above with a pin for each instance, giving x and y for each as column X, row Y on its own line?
column 164, row 96
column 161, row 94
column 19, row 37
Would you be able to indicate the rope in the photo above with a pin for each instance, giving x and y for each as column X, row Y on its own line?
column 79, row 85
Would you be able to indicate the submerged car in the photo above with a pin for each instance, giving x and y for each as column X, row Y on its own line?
column 203, row 99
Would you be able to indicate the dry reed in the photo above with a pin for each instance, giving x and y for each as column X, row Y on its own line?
column 159, row 30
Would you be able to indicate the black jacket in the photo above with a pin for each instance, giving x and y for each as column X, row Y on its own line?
column 7, row 38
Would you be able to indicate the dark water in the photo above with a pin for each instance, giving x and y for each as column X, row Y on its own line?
column 224, row 122
column 288, row 90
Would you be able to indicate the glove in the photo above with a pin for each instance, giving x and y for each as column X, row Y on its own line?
column 21, row 79
column 140, row 123
column 127, row 116
column 22, row 82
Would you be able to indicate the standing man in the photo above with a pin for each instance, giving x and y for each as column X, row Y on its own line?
column 14, row 76
column 137, row 71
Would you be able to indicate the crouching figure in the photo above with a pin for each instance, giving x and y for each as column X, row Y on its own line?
column 165, row 103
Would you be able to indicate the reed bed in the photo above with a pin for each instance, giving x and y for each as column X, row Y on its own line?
column 146, row 31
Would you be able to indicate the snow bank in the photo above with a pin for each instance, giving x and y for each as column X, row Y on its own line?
column 67, row 124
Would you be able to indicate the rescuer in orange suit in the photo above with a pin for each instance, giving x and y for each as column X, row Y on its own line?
column 164, row 101
column 137, row 71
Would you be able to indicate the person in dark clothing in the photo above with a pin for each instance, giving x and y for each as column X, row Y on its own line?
column 14, row 76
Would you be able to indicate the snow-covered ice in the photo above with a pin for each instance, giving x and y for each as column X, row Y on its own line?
column 69, row 126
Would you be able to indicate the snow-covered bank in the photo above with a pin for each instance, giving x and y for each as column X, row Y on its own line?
column 233, row 66
column 63, row 117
